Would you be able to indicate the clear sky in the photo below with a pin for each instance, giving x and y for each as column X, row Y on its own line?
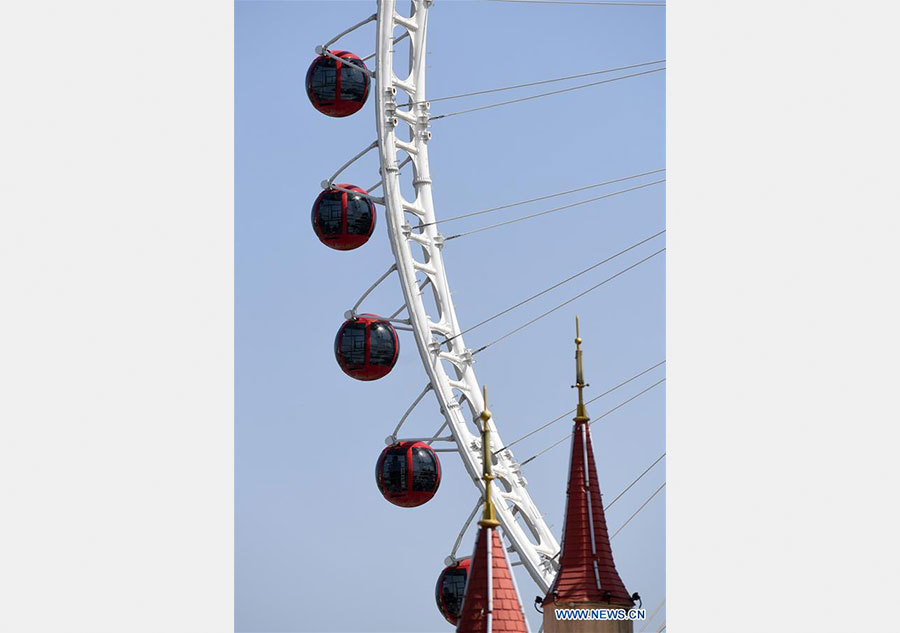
column 316, row 546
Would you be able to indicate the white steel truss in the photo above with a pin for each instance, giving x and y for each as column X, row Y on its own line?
column 449, row 368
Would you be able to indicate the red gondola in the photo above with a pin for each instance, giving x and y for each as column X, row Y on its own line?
column 366, row 348
column 337, row 88
column 408, row 473
column 343, row 221
column 450, row 589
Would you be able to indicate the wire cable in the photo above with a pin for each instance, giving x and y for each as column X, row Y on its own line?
column 545, row 94
column 557, row 285
column 652, row 615
column 544, row 81
column 568, row 301
column 552, row 195
column 619, row 496
column 553, row 210
column 594, row 399
column 615, row 408
column 643, row 505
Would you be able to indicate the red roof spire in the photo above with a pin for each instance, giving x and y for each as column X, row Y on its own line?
column 491, row 603
column 587, row 572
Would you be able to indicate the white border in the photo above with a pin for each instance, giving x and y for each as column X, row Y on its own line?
column 783, row 316
column 116, row 331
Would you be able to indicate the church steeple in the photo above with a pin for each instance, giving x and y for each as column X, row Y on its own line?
column 491, row 603
column 587, row 575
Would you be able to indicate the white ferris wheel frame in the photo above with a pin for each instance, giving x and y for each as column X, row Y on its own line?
column 449, row 369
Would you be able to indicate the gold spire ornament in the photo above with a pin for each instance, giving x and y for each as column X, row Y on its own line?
column 580, row 412
column 489, row 516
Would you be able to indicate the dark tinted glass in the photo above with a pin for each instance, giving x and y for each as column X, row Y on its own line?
column 359, row 215
column 323, row 81
column 353, row 82
column 329, row 213
column 353, row 344
column 381, row 344
column 393, row 472
column 453, row 588
column 424, row 470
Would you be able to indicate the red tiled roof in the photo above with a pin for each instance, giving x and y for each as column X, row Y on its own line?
column 586, row 571
column 506, row 616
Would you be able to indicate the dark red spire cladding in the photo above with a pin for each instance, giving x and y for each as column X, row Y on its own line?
column 587, row 572
column 491, row 604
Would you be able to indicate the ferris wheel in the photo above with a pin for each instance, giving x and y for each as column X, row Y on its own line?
column 408, row 472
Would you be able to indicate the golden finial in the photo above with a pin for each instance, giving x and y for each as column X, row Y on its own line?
column 580, row 412
column 489, row 517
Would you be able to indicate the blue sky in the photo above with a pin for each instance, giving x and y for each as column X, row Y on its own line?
column 316, row 547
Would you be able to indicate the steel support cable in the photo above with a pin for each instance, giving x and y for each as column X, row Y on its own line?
column 597, row 419
column 545, row 94
column 553, row 210
column 557, row 285
column 649, row 468
column 594, row 399
column 545, row 81
column 643, row 505
column 652, row 615
column 598, row 3
column 568, row 301
column 539, row 198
